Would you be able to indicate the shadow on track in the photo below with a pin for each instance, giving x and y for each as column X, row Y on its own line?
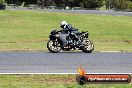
column 67, row 52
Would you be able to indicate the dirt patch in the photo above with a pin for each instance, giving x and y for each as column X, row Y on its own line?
column 56, row 79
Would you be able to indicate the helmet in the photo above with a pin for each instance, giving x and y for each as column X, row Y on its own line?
column 63, row 24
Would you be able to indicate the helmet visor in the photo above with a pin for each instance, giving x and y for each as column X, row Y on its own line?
column 62, row 26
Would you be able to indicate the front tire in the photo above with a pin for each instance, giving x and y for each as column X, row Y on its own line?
column 54, row 46
column 89, row 46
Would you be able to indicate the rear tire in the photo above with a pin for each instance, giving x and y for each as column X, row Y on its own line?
column 52, row 47
column 89, row 46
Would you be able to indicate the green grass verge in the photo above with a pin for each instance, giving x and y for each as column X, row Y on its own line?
column 49, row 81
column 29, row 30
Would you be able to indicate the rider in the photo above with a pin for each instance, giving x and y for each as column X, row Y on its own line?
column 67, row 28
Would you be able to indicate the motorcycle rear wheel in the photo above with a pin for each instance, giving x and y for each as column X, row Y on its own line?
column 54, row 48
column 89, row 46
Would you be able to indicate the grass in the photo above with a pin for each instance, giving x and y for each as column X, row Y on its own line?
column 29, row 30
column 49, row 81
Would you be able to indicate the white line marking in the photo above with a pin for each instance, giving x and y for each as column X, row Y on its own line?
column 111, row 51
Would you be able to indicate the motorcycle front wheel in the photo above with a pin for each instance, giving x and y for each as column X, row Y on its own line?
column 89, row 46
column 54, row 46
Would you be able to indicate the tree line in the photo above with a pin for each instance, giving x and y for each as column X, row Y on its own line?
column 110, row 4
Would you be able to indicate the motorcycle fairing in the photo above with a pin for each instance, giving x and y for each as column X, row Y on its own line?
column 63, row 38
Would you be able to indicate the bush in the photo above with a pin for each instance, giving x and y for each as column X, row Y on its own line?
column 129, row 5
column 2, row 1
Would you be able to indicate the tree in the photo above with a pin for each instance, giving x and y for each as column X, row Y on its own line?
column 70, row 3
column 91, row 3
column 118, row 4
column 60, row 3
column 44, row 3
column 63, row 3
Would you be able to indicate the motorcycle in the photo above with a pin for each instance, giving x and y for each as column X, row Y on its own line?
column 66, row 42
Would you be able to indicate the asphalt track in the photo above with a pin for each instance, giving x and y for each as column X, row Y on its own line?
column 65, row 62
column 115, row 13
column 110, row 12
